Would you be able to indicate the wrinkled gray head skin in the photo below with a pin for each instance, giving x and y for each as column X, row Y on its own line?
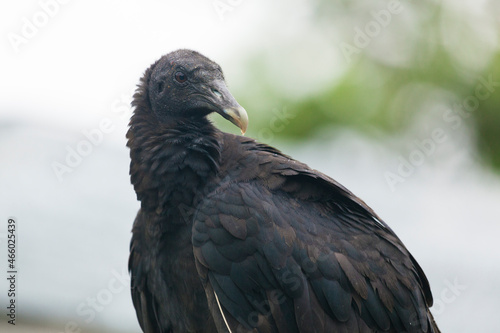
column 184, row 83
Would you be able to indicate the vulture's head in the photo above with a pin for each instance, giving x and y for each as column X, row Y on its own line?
column 186, row 84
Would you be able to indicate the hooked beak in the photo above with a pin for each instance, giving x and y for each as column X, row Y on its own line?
column 238, row 116
column 227, row 106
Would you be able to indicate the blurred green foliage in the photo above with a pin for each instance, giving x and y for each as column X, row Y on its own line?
column 487, row 120
column 430, row 55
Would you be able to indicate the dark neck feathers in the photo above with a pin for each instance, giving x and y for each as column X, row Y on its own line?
column 171, row 159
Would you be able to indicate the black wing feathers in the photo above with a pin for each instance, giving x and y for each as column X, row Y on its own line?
column 284, row 246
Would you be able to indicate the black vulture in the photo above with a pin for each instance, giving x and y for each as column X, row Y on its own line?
column 235, row 236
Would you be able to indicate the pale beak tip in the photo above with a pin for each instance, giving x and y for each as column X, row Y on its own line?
column 238, row 116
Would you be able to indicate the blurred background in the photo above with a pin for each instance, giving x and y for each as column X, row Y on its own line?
column 397, row 100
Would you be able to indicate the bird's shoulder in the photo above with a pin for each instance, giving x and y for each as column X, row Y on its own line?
column 246, row 160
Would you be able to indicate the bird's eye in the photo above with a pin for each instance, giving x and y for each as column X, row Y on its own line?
column 180, row 77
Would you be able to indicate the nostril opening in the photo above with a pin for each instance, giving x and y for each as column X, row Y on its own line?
column 216, row 93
